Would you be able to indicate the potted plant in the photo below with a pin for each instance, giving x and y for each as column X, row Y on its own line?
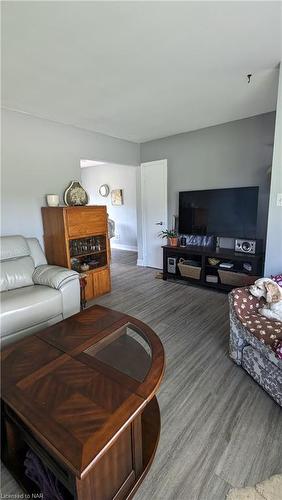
column 171, row 236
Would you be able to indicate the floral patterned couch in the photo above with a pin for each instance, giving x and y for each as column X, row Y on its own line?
column 256, row 342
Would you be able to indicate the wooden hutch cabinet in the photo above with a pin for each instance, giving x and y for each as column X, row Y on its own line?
column 74, row 236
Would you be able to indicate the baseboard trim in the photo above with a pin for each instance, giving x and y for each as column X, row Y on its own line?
column 128, row 248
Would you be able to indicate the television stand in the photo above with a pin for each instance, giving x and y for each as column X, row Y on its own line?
column 209, row 274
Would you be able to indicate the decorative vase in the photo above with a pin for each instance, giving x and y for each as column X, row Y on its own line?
column 173, row 242
column 52, row 200
column 75, row 195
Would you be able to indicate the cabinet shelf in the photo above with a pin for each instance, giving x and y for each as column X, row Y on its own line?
column 94, row 252
column 231, row 270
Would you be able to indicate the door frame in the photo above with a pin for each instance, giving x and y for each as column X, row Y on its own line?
column 143, row 261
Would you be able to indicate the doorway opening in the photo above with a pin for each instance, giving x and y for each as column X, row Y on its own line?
column 114, row 186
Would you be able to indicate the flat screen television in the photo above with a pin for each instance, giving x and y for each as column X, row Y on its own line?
column 228, row 212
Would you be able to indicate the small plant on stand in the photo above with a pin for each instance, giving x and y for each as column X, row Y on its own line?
column 171, row 236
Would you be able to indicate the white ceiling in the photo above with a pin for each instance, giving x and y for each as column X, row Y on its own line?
column 141, row 70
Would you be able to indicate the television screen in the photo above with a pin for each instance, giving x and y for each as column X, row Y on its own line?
column 228, row 212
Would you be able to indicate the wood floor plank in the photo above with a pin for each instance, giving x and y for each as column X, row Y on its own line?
column 219, row 428
column 261, row 427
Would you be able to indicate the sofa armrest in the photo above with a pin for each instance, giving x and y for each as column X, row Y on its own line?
column 70, row 293
column 53, row 276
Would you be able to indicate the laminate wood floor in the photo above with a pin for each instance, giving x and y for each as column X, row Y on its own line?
column 219, row 428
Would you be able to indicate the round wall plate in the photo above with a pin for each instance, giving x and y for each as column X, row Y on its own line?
column 104, row 190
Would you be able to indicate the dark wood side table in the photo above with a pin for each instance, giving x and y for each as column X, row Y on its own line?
column 202, row 255
column 80, row 397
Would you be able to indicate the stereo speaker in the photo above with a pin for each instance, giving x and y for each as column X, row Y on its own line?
column 247, row 246
column 171, row 265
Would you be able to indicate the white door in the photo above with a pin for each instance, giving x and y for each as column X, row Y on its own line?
column 154, row 210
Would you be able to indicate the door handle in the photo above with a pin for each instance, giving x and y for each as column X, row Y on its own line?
column 159, row 223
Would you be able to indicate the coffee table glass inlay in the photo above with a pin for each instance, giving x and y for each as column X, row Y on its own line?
column 127, row 350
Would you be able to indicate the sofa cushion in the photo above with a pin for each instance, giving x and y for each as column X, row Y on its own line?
column 13, row 247
column 246, row 307
column 16, row 273
column 240, row 337
column 278, row 279
column 36, row 252
column 25, row 307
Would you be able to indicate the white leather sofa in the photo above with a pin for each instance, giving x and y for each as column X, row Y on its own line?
column 34, row 295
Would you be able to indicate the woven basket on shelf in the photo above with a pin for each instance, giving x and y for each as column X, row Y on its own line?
column 236, row 279
column 189, row 271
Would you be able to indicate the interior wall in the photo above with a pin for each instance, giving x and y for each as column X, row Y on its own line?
column 273, row 256
column 233, row 154
column 116, row 177
column 41, row 157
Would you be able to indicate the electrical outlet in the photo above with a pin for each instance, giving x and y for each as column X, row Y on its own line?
column 279, row 200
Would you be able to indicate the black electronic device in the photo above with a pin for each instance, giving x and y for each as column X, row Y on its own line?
column 230, row 212
column 248, row 246
column 171, row 265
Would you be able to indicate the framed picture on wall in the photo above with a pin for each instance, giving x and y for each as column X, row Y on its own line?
column 117, row 197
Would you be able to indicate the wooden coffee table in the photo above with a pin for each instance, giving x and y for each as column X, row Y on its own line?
column 80, row 397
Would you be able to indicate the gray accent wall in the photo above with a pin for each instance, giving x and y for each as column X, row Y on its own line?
column 233, row 154
column 41, row 157
column 273, row 256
